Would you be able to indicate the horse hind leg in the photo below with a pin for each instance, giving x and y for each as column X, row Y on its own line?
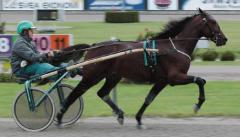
column 103, row 93
column 78, row 91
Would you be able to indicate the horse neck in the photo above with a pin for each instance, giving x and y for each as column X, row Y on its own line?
column 188, row 38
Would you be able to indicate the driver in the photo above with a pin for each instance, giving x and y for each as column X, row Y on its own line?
column 26, row 61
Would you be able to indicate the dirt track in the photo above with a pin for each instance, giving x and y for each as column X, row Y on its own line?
column 221, row 73
column 156, row 127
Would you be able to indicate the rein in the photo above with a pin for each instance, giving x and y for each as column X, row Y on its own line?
column 182, row 39
column 95, row 60
column 95, row 47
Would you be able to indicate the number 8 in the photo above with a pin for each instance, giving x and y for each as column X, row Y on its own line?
column 4, row 45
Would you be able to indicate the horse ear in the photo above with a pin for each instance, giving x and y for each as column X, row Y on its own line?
column 200, row 11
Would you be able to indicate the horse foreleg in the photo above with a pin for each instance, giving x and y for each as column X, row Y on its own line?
column 182, row 79
column 103, row 93
column 148, row 100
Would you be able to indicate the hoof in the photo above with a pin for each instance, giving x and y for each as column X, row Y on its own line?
column 120, row 120
column 141, row 127
column 59, row 118
column 195, row 108
column 60, row 126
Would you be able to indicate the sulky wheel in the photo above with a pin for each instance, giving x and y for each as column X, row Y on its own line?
column 34, row 120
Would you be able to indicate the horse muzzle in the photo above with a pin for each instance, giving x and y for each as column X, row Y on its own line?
column 219, row 39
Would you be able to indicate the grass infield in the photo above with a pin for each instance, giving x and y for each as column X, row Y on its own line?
column 222, row 100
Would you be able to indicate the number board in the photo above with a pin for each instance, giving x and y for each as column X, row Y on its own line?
column 44, row 42
column 5, row 45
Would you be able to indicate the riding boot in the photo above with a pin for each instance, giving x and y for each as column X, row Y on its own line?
column 76, row 71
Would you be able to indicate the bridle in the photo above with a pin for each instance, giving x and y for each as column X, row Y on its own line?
column 215, row 36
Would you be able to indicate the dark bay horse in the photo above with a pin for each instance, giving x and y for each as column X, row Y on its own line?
column 171, row 68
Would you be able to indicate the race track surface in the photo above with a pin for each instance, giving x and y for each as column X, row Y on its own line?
column 156, row 127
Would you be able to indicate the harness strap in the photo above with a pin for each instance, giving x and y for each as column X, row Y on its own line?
column 154, row 53
column 145, row 53
column 179, row 50
column 149, row 59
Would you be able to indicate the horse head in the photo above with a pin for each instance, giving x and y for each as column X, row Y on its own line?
column 210, row 28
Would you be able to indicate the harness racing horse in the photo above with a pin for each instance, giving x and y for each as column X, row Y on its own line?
column 171, row 67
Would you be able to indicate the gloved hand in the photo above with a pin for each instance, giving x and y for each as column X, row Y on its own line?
column 51, row 54
column 56, row 51
column 23, row 63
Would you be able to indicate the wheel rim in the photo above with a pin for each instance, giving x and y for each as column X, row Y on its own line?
column 36, row 120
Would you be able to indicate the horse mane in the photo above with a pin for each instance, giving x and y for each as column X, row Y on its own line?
column 173, row 28
column 109, row 43
column 76, row 47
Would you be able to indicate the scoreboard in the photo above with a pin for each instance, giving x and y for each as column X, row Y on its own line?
column 44, row 42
